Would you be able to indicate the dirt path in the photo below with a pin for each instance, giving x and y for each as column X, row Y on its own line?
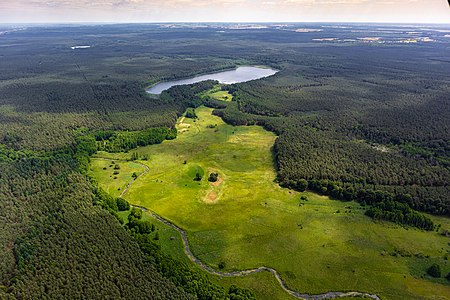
column 146, row 169
column 187, row 251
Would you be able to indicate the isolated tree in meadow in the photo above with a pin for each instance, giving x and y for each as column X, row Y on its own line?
column 213, row 177
column 198, row 176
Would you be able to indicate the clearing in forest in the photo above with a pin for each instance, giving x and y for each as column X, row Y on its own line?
column 247, row 221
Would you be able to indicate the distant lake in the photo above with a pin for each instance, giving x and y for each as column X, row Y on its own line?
column 241, row 74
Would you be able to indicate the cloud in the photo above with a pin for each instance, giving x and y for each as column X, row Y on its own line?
column 109, row 3
column 83, row 4
column 224, row 10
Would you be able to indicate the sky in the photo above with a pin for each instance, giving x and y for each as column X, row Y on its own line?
column 147, row 11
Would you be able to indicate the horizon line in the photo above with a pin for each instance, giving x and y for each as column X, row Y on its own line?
column 220, row 22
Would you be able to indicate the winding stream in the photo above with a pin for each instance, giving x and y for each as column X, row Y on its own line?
column 188, row 252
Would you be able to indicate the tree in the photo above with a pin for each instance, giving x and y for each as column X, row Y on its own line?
column 222, row 265
column 190, row 113
column 198, row 176
column 237, row 293
column 122, row 204
column 136, row 213
column 144, row 227
column 213, row 177
column 434, row 271
column 302, row 185
column 134, row 156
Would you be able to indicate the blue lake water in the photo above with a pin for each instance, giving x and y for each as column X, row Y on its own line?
column 241, row 74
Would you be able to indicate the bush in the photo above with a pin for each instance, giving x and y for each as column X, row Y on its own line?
column 122, row 204
column 190, row 113
column 302, row 185
column 111, row 204
column 222, row 265
column 213, row 177
column 237, row 293
column 139, row 226
column 198, row 176
column 434, row 271
column 136, row 213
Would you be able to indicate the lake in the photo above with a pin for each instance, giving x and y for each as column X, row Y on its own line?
column 241, row 74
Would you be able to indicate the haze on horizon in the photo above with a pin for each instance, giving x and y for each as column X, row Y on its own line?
column 140, row 11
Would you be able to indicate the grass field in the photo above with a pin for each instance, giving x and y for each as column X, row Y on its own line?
column 217, row 94
column 245, row 220
column 106, row 170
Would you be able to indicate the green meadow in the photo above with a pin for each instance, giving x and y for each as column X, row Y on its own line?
column 245, row 220
column 217, row 94
column 118, row 174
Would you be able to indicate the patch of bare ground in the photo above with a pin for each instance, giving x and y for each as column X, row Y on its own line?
column 211, row 197
column 218, row 182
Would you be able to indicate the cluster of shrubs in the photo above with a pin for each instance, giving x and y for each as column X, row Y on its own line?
column 190, row 113
column 136, row 224
column 435, row 271
column 113, row 205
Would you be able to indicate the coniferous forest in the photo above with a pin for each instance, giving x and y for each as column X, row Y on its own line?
column 357, row 121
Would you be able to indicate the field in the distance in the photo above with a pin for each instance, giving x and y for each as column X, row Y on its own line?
column 246, row 220
column 217, row 94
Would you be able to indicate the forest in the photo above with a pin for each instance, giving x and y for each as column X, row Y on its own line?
column 357, row 121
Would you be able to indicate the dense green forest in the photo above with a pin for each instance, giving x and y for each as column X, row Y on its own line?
column 357, row 121
column 55, row 236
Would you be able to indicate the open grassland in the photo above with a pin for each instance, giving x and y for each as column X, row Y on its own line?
column 217, row 94
column 264, row 285
column 118, row 173
column 245, row 220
